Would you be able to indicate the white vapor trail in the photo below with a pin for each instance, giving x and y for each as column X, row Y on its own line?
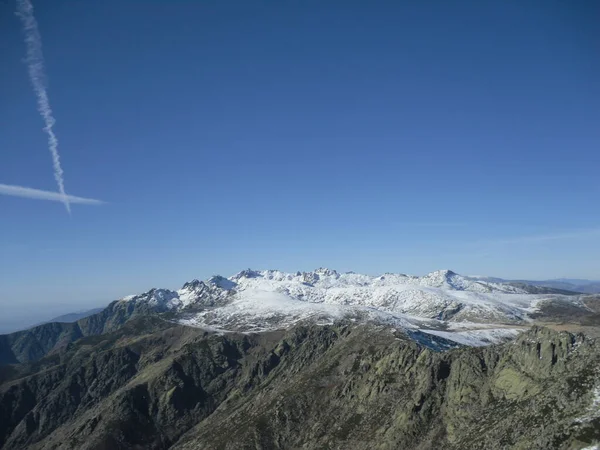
column 35, row 63
column 38, row 194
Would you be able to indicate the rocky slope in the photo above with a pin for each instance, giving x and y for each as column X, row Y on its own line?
column 157, row 385
column 47, row 339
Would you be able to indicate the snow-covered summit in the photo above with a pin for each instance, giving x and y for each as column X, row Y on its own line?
column 256, row 300
column 327, row 272
column 448, row 279
column 248, row 273
column 157, row 299
column 443, row 279
column 222, row 282
column 442, row 293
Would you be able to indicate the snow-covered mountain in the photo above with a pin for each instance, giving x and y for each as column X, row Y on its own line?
column 442, row 303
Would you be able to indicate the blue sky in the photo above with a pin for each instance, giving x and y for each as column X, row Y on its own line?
column 366, row 136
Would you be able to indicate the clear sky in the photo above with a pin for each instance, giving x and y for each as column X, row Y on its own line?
column 367, row 136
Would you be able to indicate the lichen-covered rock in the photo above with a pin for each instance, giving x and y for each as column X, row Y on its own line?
column 158, row 385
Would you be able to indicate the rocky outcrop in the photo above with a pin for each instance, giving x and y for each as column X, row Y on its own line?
column 153, row 384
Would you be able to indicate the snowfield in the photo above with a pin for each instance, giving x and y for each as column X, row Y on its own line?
column 442, row 303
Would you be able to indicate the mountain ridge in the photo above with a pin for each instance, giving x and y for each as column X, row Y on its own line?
column 159, row 385
column 435, row 309
column 576, row 285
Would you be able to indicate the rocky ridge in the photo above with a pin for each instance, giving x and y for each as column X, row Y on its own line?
column 158, row 385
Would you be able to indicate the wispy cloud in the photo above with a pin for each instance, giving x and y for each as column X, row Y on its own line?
column 35, row 64
column 38, row 194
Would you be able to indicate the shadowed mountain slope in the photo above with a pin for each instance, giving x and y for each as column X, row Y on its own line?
column 158, row 385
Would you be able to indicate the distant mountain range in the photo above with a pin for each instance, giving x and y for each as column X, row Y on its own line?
column 444, row 279
column 440, row 310
column 321, row 359
column 73, row 317
column 569, row 284
column 10, row 325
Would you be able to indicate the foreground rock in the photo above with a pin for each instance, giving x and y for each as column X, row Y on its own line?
column 158, row 385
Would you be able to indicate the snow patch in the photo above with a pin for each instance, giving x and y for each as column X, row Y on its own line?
column 258, row 310
column 478, row 338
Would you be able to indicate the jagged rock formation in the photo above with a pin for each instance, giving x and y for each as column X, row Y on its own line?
column 155, row 384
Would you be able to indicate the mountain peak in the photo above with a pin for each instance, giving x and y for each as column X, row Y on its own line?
column 326, row 272
column 247, row 273
column 194, row 284
column 443, row 273
column 222, row 282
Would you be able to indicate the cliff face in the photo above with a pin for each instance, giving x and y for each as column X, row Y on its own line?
column 152, row 384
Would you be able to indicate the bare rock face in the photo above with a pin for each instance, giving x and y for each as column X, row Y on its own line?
column 154, row 384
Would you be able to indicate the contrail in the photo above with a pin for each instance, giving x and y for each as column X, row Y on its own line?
column 35, row 63
column 38, row 194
